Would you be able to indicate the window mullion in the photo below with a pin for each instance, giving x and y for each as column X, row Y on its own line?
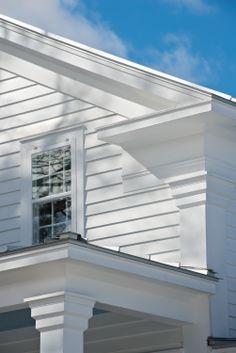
column 52, row 219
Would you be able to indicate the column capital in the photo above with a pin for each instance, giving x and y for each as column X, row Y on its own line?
column 61, row 310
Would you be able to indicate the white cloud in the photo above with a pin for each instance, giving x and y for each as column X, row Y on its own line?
column 196, row 6
column 66, row 18
column 179, row 60
column 71, row 18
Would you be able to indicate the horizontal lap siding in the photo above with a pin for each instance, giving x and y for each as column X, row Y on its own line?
column 144, row 223
column 27, row 109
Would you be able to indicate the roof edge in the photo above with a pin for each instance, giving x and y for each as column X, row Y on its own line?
column 118, row 60
column 81, row 242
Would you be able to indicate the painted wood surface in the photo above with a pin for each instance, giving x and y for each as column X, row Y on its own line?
column 143, row 223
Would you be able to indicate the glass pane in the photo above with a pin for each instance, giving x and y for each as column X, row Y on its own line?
column 40, row 165
column 61, row 210
column 59, row 214
column 61, row 228
column 51, row 218
column 45, row 214
column 40, row 188
column 56, row 160
column 56, row 183
column 56, row 164
column 45, row 233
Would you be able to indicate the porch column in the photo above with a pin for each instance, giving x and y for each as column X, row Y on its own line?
column 61, row 318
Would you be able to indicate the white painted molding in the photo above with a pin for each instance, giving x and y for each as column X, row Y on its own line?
column 61, row 318
column 99, row 257
column 158, row 127
column 61, row 310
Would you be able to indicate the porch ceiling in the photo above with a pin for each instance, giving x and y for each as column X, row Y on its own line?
column 108, row 332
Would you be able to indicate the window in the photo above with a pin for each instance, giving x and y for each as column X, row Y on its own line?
column 54, row 167
column 51, row 193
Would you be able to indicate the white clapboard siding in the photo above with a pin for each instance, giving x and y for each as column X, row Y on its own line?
column 23, row 94
column 9, row 237
column 134, row 213
column 231, row 282
column 51, row 124
column 127, row 221
column 171, row 257
column 10, row 211
column 105, row 193
column 9, row 148
column 103, row 165
column 4, row 75
column 232, row 297
column 14, row 84
column 9, row 198
column 39, row 115
column 10, row 185
column 103, row 179
column 158, row 246
column 32, row 104
column 8, row 161
column 232, row 308
column 135, row 221
column 138, row 237
column 102, row 152
column 9, row 224
column 10, row 173
column 128, row 201
column 133, row 226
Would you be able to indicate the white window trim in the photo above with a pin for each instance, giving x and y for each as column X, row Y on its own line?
column 74, row 138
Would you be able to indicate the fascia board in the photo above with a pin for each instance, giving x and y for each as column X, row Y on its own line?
column 225, row 111
column 122, row 77
column 147, row 271
column 106, row 260
column 111, row 58
column 32, row 256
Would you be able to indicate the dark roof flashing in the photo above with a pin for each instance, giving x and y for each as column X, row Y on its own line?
column 220, row 342
column 77, row 239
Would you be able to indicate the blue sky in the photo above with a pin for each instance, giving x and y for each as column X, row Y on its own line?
column 191, row 39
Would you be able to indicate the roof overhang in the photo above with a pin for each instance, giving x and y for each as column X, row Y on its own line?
column 115, row 84
column 173, row 124
column 112, row 278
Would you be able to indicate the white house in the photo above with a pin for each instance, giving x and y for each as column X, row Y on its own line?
column 142, row 165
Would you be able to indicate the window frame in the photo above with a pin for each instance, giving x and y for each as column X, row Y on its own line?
column 74, row 138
